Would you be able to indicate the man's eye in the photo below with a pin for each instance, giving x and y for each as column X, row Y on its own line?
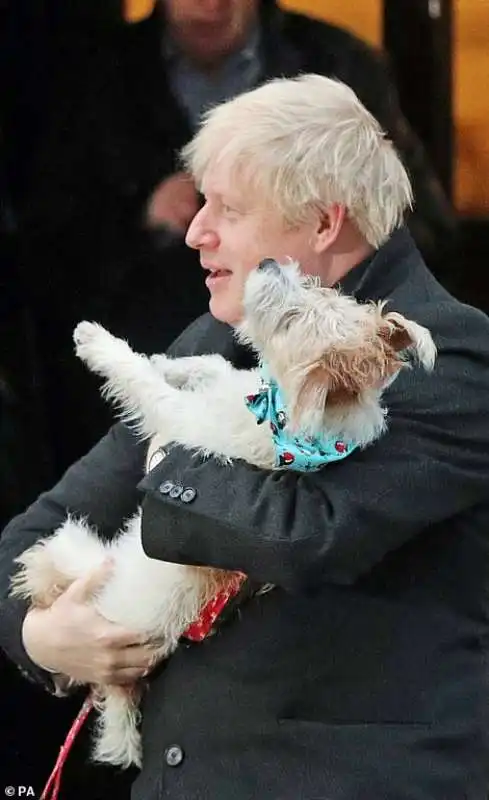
column 228, row 209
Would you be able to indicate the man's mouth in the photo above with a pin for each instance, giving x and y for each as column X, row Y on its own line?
column 216, row 275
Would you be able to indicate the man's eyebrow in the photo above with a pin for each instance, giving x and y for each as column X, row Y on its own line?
column 227, row 199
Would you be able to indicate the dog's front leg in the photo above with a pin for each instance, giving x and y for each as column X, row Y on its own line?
column 193, row 419
column 132, row 382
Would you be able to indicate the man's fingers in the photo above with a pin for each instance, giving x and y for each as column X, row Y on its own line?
column 131, row 664
column 120, row 638
column 136, row 657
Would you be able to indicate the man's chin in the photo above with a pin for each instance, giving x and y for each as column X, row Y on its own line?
column 224, row 310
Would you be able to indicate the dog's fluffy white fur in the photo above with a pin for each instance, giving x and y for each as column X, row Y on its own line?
column 332, row 358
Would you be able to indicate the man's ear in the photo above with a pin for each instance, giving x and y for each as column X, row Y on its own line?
column 329, row 224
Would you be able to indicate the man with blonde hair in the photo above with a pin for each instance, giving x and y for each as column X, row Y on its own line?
column 102, row 190
column 362, row 674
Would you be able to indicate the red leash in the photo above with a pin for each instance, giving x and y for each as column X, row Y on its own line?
column 51, row 790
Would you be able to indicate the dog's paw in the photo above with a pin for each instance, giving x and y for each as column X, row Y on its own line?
column 86, row 332
column 95, row 346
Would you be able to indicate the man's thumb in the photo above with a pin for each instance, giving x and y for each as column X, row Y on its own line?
column 83, row 588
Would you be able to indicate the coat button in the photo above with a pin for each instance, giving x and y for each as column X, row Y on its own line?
column 188, row 495
column 166, row 487
column 176, row 491
column 174, row 755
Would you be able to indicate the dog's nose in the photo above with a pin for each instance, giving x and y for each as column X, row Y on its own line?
column 268, row 264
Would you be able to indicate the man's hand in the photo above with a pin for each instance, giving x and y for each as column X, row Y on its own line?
column 72, row 639
column 174, row 203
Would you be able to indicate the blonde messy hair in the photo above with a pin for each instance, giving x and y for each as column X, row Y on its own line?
column 304, row 143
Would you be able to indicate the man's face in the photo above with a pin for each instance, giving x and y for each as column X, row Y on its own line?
column 207, row 30
column 234, row 231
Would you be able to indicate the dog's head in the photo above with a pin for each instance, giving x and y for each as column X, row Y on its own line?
column 331, row 355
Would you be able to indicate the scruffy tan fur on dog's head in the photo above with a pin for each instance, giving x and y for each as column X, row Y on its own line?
column 331, row 355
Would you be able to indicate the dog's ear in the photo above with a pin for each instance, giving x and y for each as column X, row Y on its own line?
column 311, row 398
column 342, row 374
column 351, row 372
column 339, row 377
column 408, row 339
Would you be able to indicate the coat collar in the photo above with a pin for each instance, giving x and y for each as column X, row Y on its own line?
column 377, row 276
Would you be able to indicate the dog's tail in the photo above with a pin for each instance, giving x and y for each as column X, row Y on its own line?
column 117, row 738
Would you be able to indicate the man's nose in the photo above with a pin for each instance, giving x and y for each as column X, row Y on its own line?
column 199, row 234
column 193, row 234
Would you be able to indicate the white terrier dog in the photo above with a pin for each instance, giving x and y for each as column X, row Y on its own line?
column 330, row 357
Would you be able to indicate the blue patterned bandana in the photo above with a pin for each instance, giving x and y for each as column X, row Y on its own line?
column 297, row 452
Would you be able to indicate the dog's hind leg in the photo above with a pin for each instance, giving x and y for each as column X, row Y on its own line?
column 48, row 567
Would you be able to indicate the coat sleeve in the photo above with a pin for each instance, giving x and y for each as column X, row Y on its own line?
column 299, row 530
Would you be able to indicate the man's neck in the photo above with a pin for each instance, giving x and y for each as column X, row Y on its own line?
column 341, row 262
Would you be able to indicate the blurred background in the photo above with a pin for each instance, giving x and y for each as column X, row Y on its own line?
column 439, row 50
column 90, row 117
